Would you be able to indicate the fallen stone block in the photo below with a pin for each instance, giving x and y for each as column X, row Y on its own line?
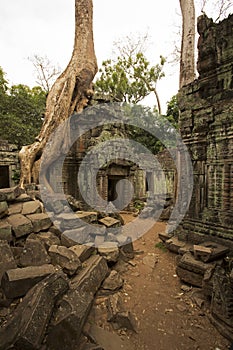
column 82, row 251
column 15, row 208
column 173, row 244
column 6, row 258
column 34, row 254
column 3, row 209
column 11, row 193
column 209, row 251
column 16, row 282
column 21, row 225
column 99, row 240
column 87, row 216
column 24, row 197
column 65, row 258
column 164, row 236
column 77, row 236
column 70, row 316
column 118, row 316
column 110, row 251
column 110, row 222
column 26, row 328
column 48, row 239
column 32, row 207
column 113, row 283
column 69, row 221
column 5, row 231
column 40, row 222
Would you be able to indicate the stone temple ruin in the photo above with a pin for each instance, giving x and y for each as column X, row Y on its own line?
column 49, row 280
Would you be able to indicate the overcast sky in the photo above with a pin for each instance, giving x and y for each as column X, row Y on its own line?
column 46, row 27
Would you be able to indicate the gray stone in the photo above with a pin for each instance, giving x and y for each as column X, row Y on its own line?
column 73, row 309
column 209, row 251
column 15, row 208
column 5, row 231
column 6, row 258
column 22, row 198
column 99, row 240
column 40, row 222
column 34, row 254
column 173, row 244
column 82, row 251
column 77, row 236
column 26, row 328
column 16, row 282
column 48, row 238
column 65, row 258
column 11, row 193
column 20, row 224
column 3, row 209
column 69, row 221
column 110, row 251
column 110, row 222
column 87, row 216
column 112, row 283
column 32, row 207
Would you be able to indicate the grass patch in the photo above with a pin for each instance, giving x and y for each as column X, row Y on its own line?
column 161, row 246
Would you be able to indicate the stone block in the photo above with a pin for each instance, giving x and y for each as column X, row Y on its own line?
column 11, row 193
column 174, row 244
column 77, row 236
column 6, row 258
column 27, row 326
column 110, row 222
column 15, row 208
column 70, row 316
column 32, row 207
column 209, row 251
column 69, row 221
column 87, row 216
column 40, row 222
column 82, row 251
column 99, row 240
column 112, row 283
column 21, row 225
column 48, row 239
column 24, row 197
column 5, row 231
column 110, row 251
column 34, row 254
column 65, row 258
column 16, row 282
column 3, row 209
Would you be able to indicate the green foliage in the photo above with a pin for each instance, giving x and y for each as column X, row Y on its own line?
column 173, row 111
column 21, row 112
column 161, row 246
column 130, row 78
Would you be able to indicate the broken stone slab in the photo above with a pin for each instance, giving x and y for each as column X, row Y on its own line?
column 34, row 254
column 65, row 258
column 209, row 251
column 113, row 283
column 164, row 236
column 2, row 196
column 24, row 197
column 16, row 282
column 99, row 230
column 73, row 309
column 15, row 208
column 3, row 209
column 105, row 339
column 82, row 251
column 40, row 222
column 110, row 222
column 26, row 328
column 118, row 316
column 21, row 225
column 48, row 238
column 69, row 221
column 87, row 216
column 77, row 236
column 6, row 258
column 99, row 240
column 32, row 207
column 174, row 244
column 11, row 193
column 110, row 251
column 5, row 231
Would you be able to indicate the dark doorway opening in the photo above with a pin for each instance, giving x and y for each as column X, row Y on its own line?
column 4, row 176
column 112, row 182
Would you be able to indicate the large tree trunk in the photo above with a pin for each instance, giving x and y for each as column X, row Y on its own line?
column 187, row 59
column 70, row 92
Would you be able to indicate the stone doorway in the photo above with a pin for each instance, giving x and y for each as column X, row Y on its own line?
column 4, row 176
column 112, row 183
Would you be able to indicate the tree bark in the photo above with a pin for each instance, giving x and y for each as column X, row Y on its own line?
column 187, row 58
column 70, row 92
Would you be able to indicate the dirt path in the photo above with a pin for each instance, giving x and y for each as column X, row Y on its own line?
column 168, row 317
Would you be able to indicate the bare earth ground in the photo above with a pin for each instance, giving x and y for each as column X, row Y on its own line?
column 167, row 315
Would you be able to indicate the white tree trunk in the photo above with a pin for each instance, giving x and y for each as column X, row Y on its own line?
column 187, row 58
column 70, row 92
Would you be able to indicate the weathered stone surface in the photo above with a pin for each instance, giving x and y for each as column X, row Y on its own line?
column 20, row 224
column 82, row 251
column 150, row 260
column 26, row 329
column 16, row 282
column 118, row 316
column 5, row 231
column 15, row 208
column 110, row 222
column 106, row 340
column 74, row 307
column 65, row 258
column 3, row 209
column 87, row 216
column 24, row 197
column 40, row 222
column 48, row 238
column 164, row 236
column 99, row 240
column 6, row 258
column 173, row 244
column 112, row 283
column 110, row 251
column 69, row 221
column 11, row 193
column 77, row 236
column 209, row 251
column 34, row 254
column 32, row 207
